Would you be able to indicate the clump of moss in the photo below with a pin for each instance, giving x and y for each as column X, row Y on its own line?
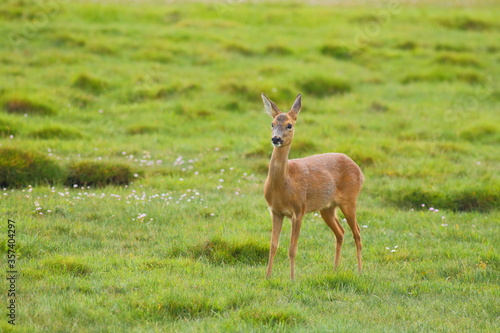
column 21, row 168
column 322, row 86
column 99, row 173
column 22, row 105
column 89, row 83
column 56, row 132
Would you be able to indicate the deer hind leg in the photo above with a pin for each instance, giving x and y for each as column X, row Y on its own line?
column 292, row 252
column 349, row 211
column 332, row 221
column 277, row 224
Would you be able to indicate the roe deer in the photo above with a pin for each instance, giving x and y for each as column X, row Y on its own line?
column 296, row 187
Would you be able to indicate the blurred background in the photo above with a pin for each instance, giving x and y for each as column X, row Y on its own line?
column 133, row 139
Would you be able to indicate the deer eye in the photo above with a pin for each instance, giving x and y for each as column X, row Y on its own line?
column 289, row 126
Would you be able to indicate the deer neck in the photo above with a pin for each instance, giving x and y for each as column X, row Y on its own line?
column 278, row 166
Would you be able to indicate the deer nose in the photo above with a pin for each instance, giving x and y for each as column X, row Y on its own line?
column 276, row 140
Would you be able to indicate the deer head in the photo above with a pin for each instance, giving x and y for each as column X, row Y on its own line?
column 283, row 124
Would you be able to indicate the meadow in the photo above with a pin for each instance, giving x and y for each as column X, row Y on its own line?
column 134, row 149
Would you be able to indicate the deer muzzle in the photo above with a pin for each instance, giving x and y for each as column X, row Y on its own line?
column 277, row 141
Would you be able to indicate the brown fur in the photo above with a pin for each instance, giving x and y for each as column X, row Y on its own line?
column 296, row 187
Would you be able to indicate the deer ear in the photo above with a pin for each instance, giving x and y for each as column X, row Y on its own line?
column 270, row 107
column 297, row 105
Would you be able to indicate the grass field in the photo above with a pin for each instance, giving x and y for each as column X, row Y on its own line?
column 134, row 148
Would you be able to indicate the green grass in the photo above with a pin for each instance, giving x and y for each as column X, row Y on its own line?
column 134, row 148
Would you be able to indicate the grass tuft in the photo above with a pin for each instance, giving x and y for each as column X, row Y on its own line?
column 67, row 264
column 56, row 132
column 339, row 52
column 194, row 307
column 408, row 45
column 21, row 168
column 177, row 90
column 89, row 83
column 466, row 23
column 378, row 107
column 139, row 129
column 480, row 198
column 481, row 133
column 219, row 251
column 451, row 47
column 237, row 88
column 341, row 281
column 273, row 317
column 99, row 173
column 21, row 105
column 458, row 60
column 278, row 50
column 441, row 75
column 239, row 49
column 302, row 147
column 262, row 149
column 322, row 86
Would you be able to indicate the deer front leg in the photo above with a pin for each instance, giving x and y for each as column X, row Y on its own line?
column 277, row 224
column 292, row 252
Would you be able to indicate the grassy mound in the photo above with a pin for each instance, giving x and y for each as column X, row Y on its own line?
column 21, row 168
column 323, row 86
column 187, row 307
column 279, row 50
column 22, row 105
column 458, row 59
column 441, row 75
column 218, row 251
column 342, row 281
column 99, row 173
column 89, row 83
column 273, row 317
column 466, row 23
column 55, row 132
column 67, row 264
column 339, row 52
column 480, row 198
column 142, row 129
